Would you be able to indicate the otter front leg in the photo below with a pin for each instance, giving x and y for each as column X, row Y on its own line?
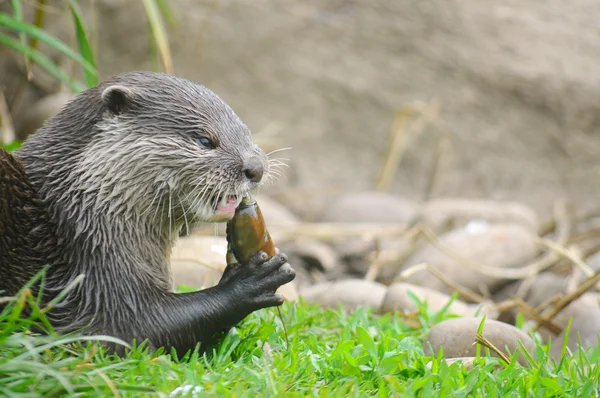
column 201, row 317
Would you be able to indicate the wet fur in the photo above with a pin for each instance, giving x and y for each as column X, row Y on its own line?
column 112, row 180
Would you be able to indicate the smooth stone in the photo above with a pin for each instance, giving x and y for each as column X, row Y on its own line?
column 356, row 254
column 456, row 337
column 397, row 299
column 585, row 326
column 371, row 207
column 459, row 212
column 274, row 212
column 350, row 293
column 313, row 253
column 541, row 288
column 497, row 245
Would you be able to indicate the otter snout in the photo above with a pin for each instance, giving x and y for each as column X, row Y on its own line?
column 254, row 169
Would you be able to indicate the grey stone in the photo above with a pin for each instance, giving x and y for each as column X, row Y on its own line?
column 498, row 245
column 459, row 211
column 456, row 337
column 371, row 207
column 350, row 293
column 397, row 299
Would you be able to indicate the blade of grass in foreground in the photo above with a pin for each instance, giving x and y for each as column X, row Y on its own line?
column 37, row 33
column 91, row 78
column 43, row 61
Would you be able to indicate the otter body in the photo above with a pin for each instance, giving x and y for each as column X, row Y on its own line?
column 106, row 187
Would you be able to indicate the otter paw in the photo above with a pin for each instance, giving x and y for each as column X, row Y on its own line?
column 258, row 281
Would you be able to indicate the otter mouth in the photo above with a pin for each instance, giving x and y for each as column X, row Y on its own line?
column 224, row 205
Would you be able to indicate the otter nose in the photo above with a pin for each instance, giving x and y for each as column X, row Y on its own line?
column 253, row 170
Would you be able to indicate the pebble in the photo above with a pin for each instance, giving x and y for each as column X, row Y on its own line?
column 499, row 246
column 371, row 207
column 313, row 253
column 456, row 337
column 397, row 299
column 350, row 293
column 356, row 255
column 459, row 212
column 585, row 325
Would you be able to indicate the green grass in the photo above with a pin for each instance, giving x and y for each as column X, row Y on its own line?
column 331, row 354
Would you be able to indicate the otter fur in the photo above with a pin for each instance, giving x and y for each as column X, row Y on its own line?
column 105, row 188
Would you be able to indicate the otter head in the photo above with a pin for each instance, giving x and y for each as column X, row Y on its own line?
column 145, row 146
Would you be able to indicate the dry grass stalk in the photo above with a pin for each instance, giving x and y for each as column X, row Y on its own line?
column 531, row 313
column 462, row 291
column 401, row 134
column 7, row 130
column 331, row 232
column 501, row 273
column 440, row 148
column 547, row 303
column 376, row 264
column 561, row 304
column 568, row 253
column 479, row 339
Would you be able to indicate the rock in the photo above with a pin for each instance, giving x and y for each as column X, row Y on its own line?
column 499, row 246
column 486, row 308
column 274, row 212
column 356, row 254
column 190, row 273
column 459, row 212
column 397, row 299
column 541, row 288
column 306, row 205
column 350, row 293
column 303, row 277
column 371, row 207
column 585, row 325
column 544, row 286
column 313, row 253
column 456, row 337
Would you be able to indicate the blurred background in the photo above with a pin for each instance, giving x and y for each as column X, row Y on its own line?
column 480, row 99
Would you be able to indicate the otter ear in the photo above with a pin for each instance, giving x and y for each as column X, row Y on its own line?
column 117, row 98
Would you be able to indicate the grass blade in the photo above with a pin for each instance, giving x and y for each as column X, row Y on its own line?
column 18, row 11
column 43, row 61
column 37, row 33
column 167, row 12
column 158, row 31
column 91, row 78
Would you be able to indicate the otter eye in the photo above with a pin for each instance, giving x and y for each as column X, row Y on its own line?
column 206, row 142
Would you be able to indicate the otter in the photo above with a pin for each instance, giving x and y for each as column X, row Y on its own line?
column 105, row 188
